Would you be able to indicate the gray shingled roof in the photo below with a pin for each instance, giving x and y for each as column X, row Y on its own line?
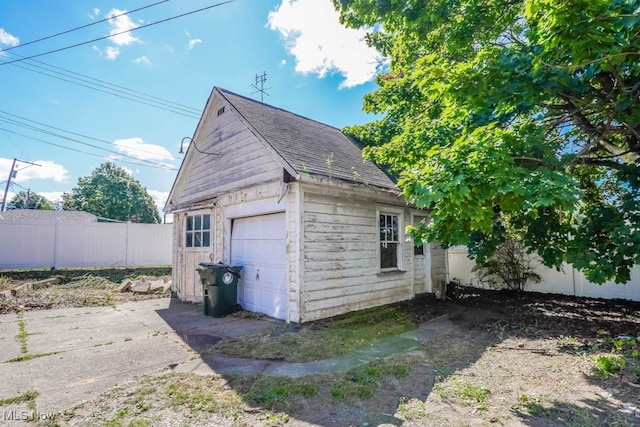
column 308, row 146
column 43, row 215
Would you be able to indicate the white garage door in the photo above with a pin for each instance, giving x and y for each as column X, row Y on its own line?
column 258, row 244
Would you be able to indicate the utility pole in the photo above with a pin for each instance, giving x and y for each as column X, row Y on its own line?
column 260, row 79
column 12, row 174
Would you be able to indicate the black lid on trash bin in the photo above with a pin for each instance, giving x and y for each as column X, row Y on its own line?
column 213, row 265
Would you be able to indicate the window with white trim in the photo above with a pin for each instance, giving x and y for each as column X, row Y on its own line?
column 198, row 231
column 389, row 241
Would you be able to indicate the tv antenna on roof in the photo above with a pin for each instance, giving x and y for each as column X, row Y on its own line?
column 260, row 79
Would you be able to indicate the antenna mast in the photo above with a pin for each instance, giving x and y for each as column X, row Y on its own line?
column 260, row 79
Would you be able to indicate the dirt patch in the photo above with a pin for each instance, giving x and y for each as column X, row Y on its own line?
column 530, row 362
column 76, row 288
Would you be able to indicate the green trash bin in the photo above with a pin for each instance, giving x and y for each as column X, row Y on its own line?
column 220, row 287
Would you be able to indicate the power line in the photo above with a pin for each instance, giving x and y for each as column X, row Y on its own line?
column 186, row 107
column 160, row 165
column 162, row 105
column 153, row 165
column 46, row 132
column 58, row 129
column 117, row 34
column 81, row 27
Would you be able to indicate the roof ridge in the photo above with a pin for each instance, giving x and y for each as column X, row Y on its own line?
column 226, row 91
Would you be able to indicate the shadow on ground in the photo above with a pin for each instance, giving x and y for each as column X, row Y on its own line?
column 459, row 333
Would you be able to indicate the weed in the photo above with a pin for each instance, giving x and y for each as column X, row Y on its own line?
column 26, row 357
column 275, row 419
column 411, row 409
column 22, row 332
column 467, row 393
column 5, row 280
column 127, row 339
column 607, row 365
column 563, row 341
column 276, row 392
column 363, row 380
column 29, row 396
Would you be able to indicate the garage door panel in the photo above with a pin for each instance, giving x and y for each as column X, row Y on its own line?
column 254, row 253
column 258, row 244
column 263, row 227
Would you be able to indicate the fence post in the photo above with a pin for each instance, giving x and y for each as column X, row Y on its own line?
column 126, row 245
column 56, row 243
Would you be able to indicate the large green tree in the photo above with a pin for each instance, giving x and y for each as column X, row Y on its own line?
column 504, row 116
column 31, row 200
column 110, row 192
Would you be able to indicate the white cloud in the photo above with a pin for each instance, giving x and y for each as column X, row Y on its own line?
column 8, row 39
column 136, row 147
column 320, row 44
column 192, row 41
column 10, row 196
column 25, row 172
column 119, row 24
column 142, row 60
column 112, row 52
column 159, row 197
column 127, row 170
column 52, row 196
column 95, row 13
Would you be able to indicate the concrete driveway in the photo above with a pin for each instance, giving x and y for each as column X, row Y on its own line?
column 85, row 351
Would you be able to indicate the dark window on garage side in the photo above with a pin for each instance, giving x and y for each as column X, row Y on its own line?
column 389, row 241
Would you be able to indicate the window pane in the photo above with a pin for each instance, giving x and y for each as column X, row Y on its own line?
column 394, row 234
column 383, row 228
column 389, row 255
column 206, row 222
column 189, row 240
column 197, row 239
column 198, row 223
column 418, row 250
column 189, row 223
column 205, row 238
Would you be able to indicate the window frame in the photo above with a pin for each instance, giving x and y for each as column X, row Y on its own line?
column 195, row 233
column 399, row 239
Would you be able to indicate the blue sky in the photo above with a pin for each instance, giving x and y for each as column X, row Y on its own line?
column 314, row 67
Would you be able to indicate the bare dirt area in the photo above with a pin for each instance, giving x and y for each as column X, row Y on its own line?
column 514, row 359
column 73, row 288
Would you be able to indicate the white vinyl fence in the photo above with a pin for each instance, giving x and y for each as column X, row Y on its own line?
column 568, row 282
column 45, row 244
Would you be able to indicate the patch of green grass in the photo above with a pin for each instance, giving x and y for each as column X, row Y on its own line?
column 364, row 380
column 28, row 396
column 607, row 365
column 618, row 356
column 321, row 340
column 27, row 356
column 276, row 393
column 22, row 332
column 467, row 393
column 199, row 395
